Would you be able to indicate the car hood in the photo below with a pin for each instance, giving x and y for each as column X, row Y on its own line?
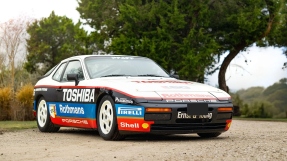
column 163, row 88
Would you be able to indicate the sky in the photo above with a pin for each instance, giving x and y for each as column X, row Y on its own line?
column 263, row 67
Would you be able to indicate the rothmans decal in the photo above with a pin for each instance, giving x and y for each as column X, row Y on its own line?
column 185, row 95
column 79, row 95
column 71, row 110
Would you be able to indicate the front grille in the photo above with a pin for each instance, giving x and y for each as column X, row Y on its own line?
column 192, row 120
column 185, row 109
column 223, row 116
column 157, row 117
column 196, row 126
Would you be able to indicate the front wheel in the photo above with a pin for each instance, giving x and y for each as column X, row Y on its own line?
column 107, row 121
column 209, row 135
column 43, row 118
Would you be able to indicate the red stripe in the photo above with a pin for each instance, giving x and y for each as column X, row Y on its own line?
column 109, row 88
column 124, row 93
column 75, row 122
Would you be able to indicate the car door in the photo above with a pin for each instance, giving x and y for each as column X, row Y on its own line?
column 76, row 105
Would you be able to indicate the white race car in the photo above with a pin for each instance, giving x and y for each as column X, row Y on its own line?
column 120, row 95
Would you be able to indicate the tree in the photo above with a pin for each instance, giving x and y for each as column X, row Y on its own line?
column 173, row 33
column 53, row 39
column 101, row 16
column 237, row 24
column 12, row 43
column 184, row 35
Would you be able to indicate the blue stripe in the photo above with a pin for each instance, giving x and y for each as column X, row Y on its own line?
column 76, row 110
column 34, row 105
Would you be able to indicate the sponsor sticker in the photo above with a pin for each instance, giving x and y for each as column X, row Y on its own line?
column 188, row 100
column 184, row 115
column 79, row 95
column 175, row 87
column 130, row 111
column 75, row 121
column 134, row 124
column 121, row 57
column 161, row 81
column 40, row 89
column 52, row 109
column 71, row 110
column 145, row 125
column 185, row 95
column 75, row 110
column 129, row 125
column 123, row 100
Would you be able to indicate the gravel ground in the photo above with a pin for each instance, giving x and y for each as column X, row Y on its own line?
column 245, row 140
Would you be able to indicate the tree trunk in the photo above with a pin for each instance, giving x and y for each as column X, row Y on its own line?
column 225, row 64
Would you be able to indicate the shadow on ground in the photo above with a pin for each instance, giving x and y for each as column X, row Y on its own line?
column 141, row 137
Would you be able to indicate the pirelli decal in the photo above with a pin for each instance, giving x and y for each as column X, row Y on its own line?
column 79, row 95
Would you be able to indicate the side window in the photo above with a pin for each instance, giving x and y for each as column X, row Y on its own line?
column 58, row 73
column 74, row 67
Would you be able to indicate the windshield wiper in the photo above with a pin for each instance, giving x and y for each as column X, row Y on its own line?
column 150, row 75
column 114, row 75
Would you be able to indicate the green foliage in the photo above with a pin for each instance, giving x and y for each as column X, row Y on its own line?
column 260, row 102
column 53, row 39
column 236, row 100
column 183, row 35
column 21, row 76
column 101, row 16
column 249, row 95
column 173, row 33
column 258, row 110
column 237, row 24
column 276, row 87
column 4, row 77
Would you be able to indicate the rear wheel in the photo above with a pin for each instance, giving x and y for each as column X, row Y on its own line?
column 107, row 121
column 209, row 135
column 43, row 118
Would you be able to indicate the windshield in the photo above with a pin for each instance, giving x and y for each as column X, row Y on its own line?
column 122, row 66
column 50, row 71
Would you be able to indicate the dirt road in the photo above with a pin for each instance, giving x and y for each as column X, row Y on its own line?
column 246, row 140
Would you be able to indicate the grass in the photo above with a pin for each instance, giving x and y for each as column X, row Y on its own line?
column 17, row 125
column 260, row 119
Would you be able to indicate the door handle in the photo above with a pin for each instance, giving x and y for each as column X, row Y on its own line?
column 59, row 89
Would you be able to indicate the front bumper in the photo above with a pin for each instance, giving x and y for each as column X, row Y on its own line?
column 173, row 122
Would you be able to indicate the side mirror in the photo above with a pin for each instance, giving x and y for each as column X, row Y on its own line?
column 175, row 76
column 74, row 77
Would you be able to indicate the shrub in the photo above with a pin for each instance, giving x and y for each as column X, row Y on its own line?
column 24, row 97
column 6, row 97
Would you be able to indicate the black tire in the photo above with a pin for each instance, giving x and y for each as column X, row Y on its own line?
column 107, row 120
column 209, row 135
column 43, row 118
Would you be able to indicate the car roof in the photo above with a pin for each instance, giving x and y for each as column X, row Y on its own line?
column 85, row 56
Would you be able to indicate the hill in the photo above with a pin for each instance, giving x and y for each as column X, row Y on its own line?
column 263, row 102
